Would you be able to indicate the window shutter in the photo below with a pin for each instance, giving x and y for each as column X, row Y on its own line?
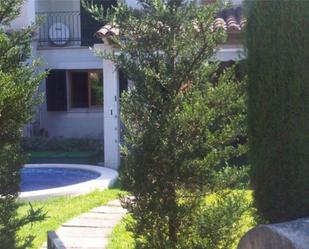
column 56, row 91
column 89, row 26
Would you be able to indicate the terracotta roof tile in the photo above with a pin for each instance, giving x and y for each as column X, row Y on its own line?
column 231, row 19
column 108, row 30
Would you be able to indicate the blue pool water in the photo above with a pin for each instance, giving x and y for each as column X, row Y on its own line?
column 45, row 178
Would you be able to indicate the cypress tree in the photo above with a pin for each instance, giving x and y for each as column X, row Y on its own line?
column 278, row 107
column 18, row 86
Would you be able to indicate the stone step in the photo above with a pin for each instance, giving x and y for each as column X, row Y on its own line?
column 82, row 242
column 82, row 232
column 109, row 210
column 89, row 230
column 92, row 222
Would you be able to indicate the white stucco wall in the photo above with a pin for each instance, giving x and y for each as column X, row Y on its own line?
column 228, row 53
column 57, row 5
column 27, row 15
column 111, row 111
column 71, row 123
column 69, row 58
column 236, row 2
column 132, row 3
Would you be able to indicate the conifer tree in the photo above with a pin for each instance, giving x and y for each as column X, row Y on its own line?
column 278, row 107
column 18, row 86
column 182, row 123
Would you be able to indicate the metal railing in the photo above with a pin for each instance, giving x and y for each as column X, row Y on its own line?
column 59, row 28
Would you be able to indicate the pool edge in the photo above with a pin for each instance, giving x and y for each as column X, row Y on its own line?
column 106, row 179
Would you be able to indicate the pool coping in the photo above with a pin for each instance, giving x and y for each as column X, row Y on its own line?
column 106, row 179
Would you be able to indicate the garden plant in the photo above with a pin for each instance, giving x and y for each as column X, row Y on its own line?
column 184, row 122
column 18, row 84
column 278, row 105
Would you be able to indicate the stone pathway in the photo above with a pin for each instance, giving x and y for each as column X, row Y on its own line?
column 89, row 230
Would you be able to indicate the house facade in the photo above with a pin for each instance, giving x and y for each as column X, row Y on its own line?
column 82, row 91
column 73, row 105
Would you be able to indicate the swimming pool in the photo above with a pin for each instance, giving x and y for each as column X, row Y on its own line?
column 44, row 178
column 41, row 181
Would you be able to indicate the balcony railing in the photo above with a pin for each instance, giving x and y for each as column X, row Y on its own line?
column 59, row 29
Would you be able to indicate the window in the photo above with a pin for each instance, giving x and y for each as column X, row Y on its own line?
column 86, row 89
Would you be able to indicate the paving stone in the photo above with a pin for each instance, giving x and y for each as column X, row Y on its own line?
column 82, row 231
column 84, row 242
column 89, row 230
column 108, row 209
column 91, row 222
column 101, row 216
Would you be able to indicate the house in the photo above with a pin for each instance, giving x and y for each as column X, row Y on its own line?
column 82, row 91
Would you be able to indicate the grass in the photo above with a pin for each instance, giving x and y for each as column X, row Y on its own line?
column 62, row 209
column 120, row 237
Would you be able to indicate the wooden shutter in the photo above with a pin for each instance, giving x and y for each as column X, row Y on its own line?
column 56, row 91
column 89, row 26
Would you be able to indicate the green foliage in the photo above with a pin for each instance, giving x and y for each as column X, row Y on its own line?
column 61, row 144
column 181, row 124
column 278, row 107
column 233, row 177
column 219, row 223
column 17, row 104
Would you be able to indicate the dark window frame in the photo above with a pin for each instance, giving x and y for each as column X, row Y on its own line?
column 89, row 105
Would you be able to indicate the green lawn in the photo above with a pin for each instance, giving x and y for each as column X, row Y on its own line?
column 121, row 238
column 62, row 209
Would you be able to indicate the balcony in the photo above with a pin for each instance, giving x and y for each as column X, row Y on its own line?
column 59, row 29
column 67, row 28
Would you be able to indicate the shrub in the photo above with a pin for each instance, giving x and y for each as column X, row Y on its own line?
column 219, row 223
column 222, row 220
column 180, row 124
column 278, row 107
column 61, row 144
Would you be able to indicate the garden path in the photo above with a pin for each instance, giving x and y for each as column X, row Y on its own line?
column 89, row 230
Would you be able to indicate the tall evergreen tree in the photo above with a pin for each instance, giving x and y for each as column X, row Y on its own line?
column 278, row 55
column 18, row 86
column 180, row 125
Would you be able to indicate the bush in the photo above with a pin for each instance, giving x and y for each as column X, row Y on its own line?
column 61, row 144
column 219, row 223
column 278, row 107
column 222, row 220
column 180, row 124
